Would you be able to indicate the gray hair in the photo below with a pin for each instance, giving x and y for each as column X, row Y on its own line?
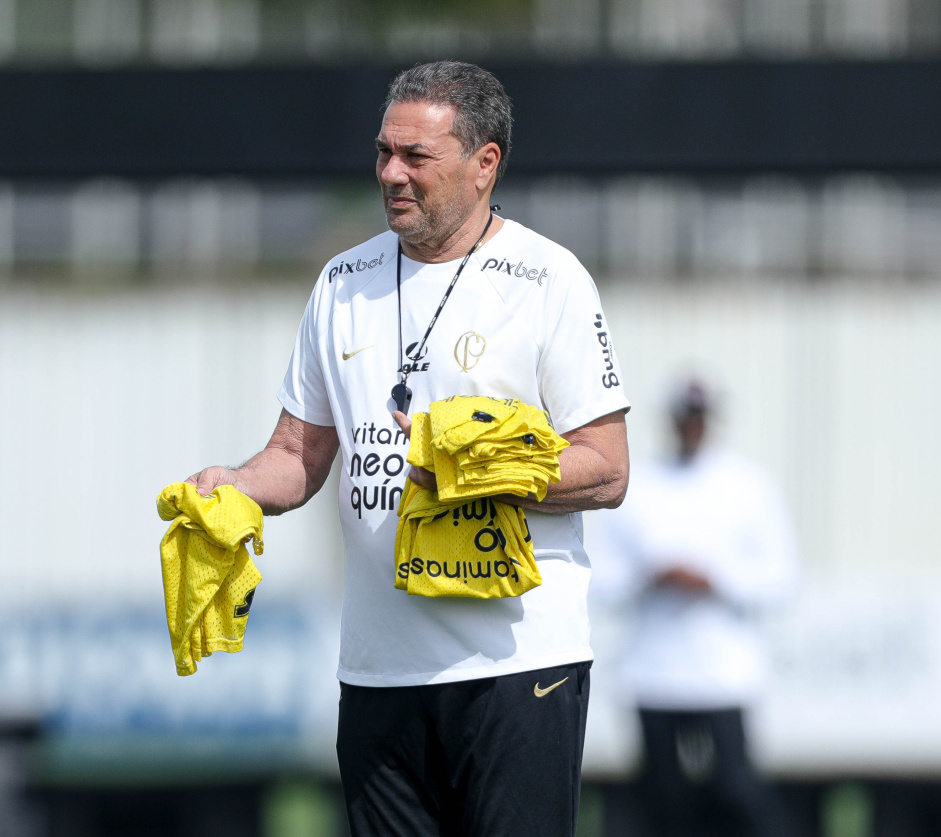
column 482, row 108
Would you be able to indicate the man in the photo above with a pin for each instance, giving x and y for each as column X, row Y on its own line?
column 457, row 716
column 703, row 543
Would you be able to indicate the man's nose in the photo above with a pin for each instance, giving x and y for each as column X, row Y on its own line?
column 393, row 171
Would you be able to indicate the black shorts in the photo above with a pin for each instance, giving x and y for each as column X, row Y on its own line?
column 477, row 758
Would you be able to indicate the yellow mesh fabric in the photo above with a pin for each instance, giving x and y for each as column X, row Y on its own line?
column 483, row 446
column 420, row 452
column 462, row 542
column 453, row 426
column 209, row 579
column 480, row 549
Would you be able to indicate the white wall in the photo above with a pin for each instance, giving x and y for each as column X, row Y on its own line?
column 835, row 388
column 107, row 399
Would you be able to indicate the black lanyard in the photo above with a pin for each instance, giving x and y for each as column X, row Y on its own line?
column 401, row 394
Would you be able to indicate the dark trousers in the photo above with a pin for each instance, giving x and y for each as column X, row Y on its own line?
column 700, row 780
column 495, row 757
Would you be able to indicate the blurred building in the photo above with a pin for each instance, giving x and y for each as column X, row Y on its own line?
column 650, row 226
column 181, row 32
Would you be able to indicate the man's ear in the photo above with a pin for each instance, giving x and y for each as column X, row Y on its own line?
column 489, row 158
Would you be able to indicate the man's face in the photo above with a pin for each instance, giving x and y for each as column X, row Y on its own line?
column 428, row 187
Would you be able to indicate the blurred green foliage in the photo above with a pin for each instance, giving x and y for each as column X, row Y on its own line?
column 847, row 811
column 300, row 809
column 381, row 14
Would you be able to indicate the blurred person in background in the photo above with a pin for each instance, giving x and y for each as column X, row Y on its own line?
column 458, row 716
column 701, row 545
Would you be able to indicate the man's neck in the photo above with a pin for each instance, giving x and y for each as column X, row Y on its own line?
column 457, row 244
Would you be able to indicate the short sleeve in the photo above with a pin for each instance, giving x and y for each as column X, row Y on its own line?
column 304, row 392
column 579, row 375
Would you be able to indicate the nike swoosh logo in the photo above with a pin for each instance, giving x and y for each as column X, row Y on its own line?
column 543, row 692
column 348, row 355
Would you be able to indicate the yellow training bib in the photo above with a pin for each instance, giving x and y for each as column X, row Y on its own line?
column 209, row 579
column 460, row 541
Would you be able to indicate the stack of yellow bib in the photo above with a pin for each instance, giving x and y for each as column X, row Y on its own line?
column 209, row 579
column 479, row 446
column 461, row 542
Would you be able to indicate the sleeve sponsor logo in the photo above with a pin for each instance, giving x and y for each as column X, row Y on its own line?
column 518, row 269
column 354, row 267
column 609, row 378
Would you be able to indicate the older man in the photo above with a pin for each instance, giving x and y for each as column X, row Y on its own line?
column 457, row 716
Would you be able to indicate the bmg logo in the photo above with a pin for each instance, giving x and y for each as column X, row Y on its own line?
column 609, row 379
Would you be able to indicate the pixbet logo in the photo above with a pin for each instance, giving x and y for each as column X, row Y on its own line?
column 518, row 269
column 609, row 379
column 354, row 267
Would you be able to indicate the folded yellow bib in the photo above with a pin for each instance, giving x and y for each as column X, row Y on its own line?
column 479, row 549
column 209, row 579
column 461, row 542
column 478, row 446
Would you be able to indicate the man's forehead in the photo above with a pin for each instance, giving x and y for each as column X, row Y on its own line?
column 416, row 124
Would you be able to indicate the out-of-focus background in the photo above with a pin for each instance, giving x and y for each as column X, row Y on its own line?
column 756, row 186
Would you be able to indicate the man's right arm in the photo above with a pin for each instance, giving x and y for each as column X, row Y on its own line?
column 287, row 473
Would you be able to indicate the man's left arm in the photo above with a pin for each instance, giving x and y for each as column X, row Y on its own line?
column 595, row 469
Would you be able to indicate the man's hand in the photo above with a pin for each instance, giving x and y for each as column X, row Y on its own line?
column 287, row 473
column 420, row 476
column 211, row 478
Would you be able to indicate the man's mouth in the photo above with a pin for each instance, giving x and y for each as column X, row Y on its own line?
column 399, row 201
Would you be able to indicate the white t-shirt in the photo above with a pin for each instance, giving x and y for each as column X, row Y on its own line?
column 721, row 516
column 523, row 321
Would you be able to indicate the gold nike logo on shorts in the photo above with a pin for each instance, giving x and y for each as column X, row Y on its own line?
column 543, row 692
column 347, row 355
